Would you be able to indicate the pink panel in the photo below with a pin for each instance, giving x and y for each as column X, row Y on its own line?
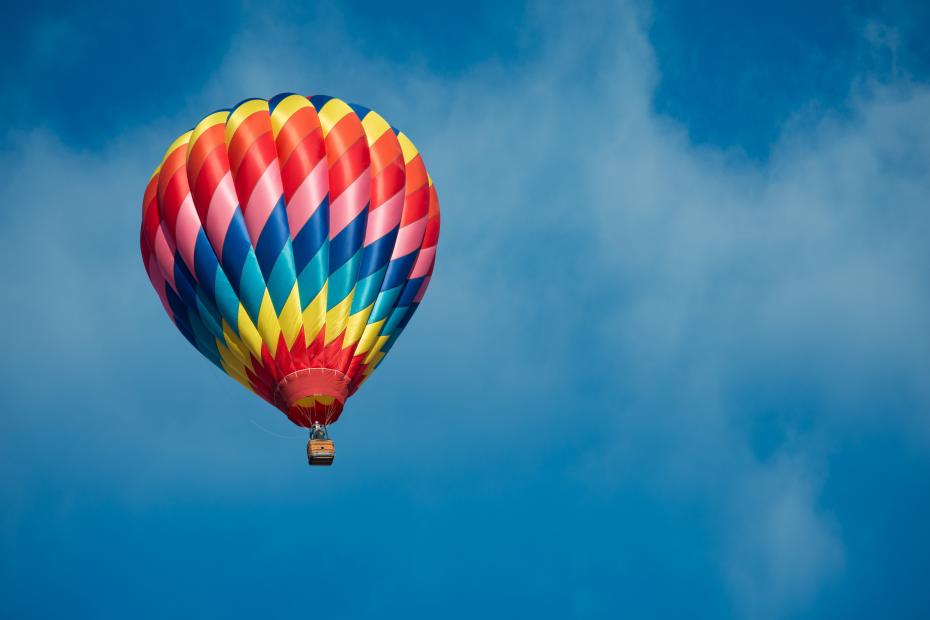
column 424, row 262
column 419, row 296
column 384, row 218
column 164, row 252
column 186, row 230
column 220, row 213
column 306, row 200
column 349, row 204
column 409, row 238
column 261, row 203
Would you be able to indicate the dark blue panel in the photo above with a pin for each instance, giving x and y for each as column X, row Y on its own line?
column 398, row 270
column 319, row 101
column 360, row 111
column 274, row 236
column 236, row 247
column 410, row 291
column 403, row 322
column 205, row 261
column 312, row 236
column 179, row 310
column 184, row 282
column 347, row 242
column 378, row 254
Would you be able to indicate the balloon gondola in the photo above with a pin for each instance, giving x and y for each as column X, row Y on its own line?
column 290, row 241
column 320, row 448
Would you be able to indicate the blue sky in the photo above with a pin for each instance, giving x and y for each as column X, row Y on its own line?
column 675, row 359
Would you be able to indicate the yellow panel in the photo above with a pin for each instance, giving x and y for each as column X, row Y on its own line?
column 337, row 318
column 370, row 368
column 331, row 113
column 285, row 109
column 249, row 335
column 315, row 315
column 241, row 113
column 232, row 368
column 375, row 127
column 217, row 118
column 407, row 147
column 376, row 350
column 235, row 345
column 244, row 382
column 290, row 318
column 230, row 363
column 368, row 337
column 268, row 325
column 181, row 140
column 356, row 326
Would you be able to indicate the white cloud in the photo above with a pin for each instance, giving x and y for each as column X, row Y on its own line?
column 781, row 548
column 590, row 255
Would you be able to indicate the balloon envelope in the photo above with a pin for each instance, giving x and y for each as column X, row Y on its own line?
column 290, row 240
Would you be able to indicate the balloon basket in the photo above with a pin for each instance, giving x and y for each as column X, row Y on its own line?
column 320, row 452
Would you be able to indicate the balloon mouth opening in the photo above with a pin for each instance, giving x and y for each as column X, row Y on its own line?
column 310, row 390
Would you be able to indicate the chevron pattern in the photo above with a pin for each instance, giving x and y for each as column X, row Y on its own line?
column 290, row 240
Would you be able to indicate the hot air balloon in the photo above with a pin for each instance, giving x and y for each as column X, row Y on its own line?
column 290, row 240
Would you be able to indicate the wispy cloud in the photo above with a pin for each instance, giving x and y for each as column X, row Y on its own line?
column 599, row 276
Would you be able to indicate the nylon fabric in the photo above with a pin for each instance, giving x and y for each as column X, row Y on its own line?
column 291, row 234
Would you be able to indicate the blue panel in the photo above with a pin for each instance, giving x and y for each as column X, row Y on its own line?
column 206, row 344
column 282, row 280
column 319, row 101
column 251, row 286
column 366, row 290
column 360, row 111
column 209, row 316
column 385, row 303
column 312, row 236
column 227, row 301
column 204, row 260
column 272, row 239
column 184, row 282
column 347, row 242
column 178, row 309
column 410, row 291
column 396, row 316
column 377, row 255
column 398, row 270
column 341, row 282
column 236, row 246
column 311, row 278
column 403, row 323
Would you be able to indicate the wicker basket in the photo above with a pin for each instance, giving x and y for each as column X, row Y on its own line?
column 320, row 452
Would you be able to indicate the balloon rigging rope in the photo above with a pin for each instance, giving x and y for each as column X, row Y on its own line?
column 273, row 434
